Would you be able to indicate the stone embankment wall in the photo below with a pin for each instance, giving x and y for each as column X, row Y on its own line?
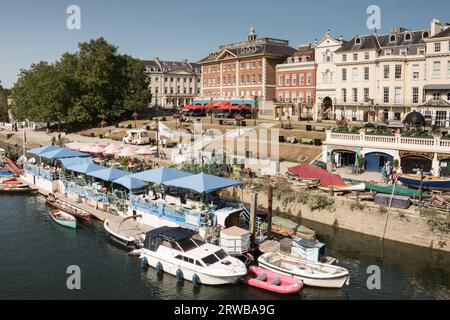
column 405, row 226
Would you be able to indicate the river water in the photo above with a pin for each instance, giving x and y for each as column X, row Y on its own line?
column 35, row 254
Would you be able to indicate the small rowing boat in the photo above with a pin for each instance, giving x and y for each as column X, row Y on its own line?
column 345, row 188
column 64, row 219
column 428, row 182
column 271, row 281
column 311, row 273
column 68, row 208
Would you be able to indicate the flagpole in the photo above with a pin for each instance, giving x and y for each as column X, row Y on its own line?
column 157, row 137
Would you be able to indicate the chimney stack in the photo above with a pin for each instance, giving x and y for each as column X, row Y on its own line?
column 435, row 27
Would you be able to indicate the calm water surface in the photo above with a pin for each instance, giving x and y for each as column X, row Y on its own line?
column 35, row 253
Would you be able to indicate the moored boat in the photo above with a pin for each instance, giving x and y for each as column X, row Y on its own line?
column 182, row 253
column 272, row 281
column 344, row 188
column 64, row 219
column 68, row 208
column 428, row 182
column 129, row 236
column 311, row 273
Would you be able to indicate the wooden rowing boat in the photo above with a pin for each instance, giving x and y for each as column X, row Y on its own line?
column 347, row 188
column 64, row 219
column 68, row 208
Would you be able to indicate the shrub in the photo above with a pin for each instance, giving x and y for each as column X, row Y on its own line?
column 321, row 202
column 356, row 206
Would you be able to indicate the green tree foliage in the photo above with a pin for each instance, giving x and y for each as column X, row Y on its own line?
column 4, row 93
column 94, row 83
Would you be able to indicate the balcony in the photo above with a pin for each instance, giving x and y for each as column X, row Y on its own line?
column 392, row 142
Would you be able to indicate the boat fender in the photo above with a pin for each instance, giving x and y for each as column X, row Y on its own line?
column 179, row 275
column 195, row 279
column 347, row 283
column 159, row 267
column 144, row 262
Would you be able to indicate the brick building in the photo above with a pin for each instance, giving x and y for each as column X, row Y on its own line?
column 245, row 70
column 296, row 83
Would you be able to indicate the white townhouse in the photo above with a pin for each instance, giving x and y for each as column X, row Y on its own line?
column 381, row 77
column 437, row 87
column 326, row 76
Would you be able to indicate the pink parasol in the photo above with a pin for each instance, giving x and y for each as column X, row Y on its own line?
column 127, row 152
column 112, row 149
column 147, row 151
column 74, row 146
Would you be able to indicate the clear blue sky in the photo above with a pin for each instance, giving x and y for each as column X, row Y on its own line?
column 31, row 31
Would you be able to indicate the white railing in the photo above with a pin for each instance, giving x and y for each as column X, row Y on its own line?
column 393, row 142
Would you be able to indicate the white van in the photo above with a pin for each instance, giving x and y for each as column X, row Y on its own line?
column 138, row 136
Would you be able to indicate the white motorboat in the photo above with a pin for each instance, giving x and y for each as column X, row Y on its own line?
column 182, row 253
column 311, row 273
column 125, row 231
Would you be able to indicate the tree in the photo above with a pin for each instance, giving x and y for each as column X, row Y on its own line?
column 94, row 83
column 4, row 93
column 41, row 94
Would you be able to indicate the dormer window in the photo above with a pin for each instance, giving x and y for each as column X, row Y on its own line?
column 358, row 40
column 426, row 34
column 408, row 37
column 392, row 38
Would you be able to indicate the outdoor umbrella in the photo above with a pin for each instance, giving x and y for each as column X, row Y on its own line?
column 131, row 183
column 93, row 148
column 202, row 183
column 74, row 146
column 41, row 150
column 147, row 151
column 127, row 152
column 112, row 149
column 160, row 175
column 86, row 167
column 109, row 174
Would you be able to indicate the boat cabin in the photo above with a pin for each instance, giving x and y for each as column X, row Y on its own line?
column 312, row 250
column 192, row 249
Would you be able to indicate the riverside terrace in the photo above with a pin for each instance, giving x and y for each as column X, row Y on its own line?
column 163, row 196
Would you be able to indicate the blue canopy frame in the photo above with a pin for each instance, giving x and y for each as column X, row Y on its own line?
column 160, row 175
column 202, row 183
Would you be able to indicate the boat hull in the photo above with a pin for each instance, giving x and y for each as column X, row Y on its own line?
column 288, row 284
column 77, row 213
column 435, row 184
column 72, row 223
column 188, row 274
column 321, row 280
column 348, row 188
column 126, row 242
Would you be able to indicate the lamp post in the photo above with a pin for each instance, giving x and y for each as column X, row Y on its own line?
column 211, row 110
column 135, row 116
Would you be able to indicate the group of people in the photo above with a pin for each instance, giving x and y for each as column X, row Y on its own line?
column 388, row 174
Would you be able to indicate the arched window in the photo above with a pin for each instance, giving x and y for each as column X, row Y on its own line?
column 328, row 56
column 392, row 38
column 408, row 36
column 358, row 40
column 425, row 34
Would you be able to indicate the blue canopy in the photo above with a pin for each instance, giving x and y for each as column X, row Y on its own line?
column 160, row 175
column 108, row 174
column 202, row 183
column 131, row 183
column 70, row 162
column 62, row 153
column 86, row 167
column 39, row 151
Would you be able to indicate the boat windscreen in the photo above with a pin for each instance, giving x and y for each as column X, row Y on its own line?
column 221, row 254
column 187, row 244
column 211, row 259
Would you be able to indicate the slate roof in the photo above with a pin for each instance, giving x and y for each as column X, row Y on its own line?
column 262, row 46
column 443, row 34
column 166, row 66
column 383, row 42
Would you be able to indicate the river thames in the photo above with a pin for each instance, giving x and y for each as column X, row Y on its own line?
column 35, row 254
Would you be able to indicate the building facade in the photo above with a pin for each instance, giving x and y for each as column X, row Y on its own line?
column 296, row 84
column 437, row 87
column 385, row 77
column 245, row 70
column 173, row 83
column 326, row 76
